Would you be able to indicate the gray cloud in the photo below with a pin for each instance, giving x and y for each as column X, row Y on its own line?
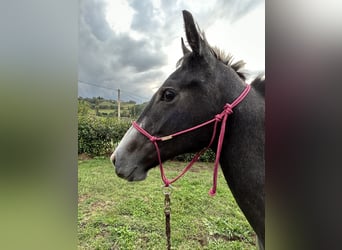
column 92, row 12
column 113, row 60
column 140, row 55
column 234, row 10
column 144, row 20
column 117, row 60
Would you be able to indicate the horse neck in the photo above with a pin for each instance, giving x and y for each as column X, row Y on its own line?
column 244, row 136
column 242, row 157
column 248, row 115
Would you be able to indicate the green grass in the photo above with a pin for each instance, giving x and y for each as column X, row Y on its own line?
column 116, row 214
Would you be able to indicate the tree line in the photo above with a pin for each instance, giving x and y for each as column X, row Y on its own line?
column 109, row 108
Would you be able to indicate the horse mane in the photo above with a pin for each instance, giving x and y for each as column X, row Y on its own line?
column 228, row 59
column 259, row 85
column 225, row 58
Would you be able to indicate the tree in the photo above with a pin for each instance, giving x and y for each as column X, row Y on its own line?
column 83, row 107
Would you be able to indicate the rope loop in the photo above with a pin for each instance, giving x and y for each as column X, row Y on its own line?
column 212, row 191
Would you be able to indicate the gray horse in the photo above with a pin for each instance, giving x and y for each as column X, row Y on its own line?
column 205, row 80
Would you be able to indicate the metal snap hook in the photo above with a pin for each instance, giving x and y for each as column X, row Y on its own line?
column 167, row 189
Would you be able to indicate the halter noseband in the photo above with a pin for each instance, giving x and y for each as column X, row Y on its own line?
column 227, row 110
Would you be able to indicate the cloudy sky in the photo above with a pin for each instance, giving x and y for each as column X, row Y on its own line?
column 135, row 44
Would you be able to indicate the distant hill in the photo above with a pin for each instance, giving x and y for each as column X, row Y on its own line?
column 102, row 107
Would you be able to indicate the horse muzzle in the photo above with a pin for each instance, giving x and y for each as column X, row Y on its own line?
column 126, row 170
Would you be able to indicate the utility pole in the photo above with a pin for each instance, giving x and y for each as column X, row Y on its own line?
column 119, row 104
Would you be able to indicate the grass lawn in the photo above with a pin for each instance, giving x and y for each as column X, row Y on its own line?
column 116, row 214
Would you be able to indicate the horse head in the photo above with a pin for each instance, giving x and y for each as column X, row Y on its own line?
column 190, row 95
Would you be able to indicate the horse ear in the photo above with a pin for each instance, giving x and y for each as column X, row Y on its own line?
column 191, row 32
column 184, row 48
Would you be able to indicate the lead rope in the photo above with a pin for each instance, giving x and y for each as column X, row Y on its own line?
column 167, row 211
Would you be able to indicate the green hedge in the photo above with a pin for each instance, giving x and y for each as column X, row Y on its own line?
column 208, row 156
column 97, row 136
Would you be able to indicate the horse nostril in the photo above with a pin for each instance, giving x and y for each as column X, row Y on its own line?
column 112, row 159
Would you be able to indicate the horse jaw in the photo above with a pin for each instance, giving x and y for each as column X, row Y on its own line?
column 126, row 160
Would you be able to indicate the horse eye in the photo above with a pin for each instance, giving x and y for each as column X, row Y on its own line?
column 168, row 95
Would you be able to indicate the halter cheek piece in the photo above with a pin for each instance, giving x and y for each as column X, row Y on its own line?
column 227, row 110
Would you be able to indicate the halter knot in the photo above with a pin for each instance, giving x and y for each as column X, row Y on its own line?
column 153, row 138
column 219, row 117
column 167, row 182
column 228, row 109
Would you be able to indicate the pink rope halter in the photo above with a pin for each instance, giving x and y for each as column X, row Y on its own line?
column 227, row 110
